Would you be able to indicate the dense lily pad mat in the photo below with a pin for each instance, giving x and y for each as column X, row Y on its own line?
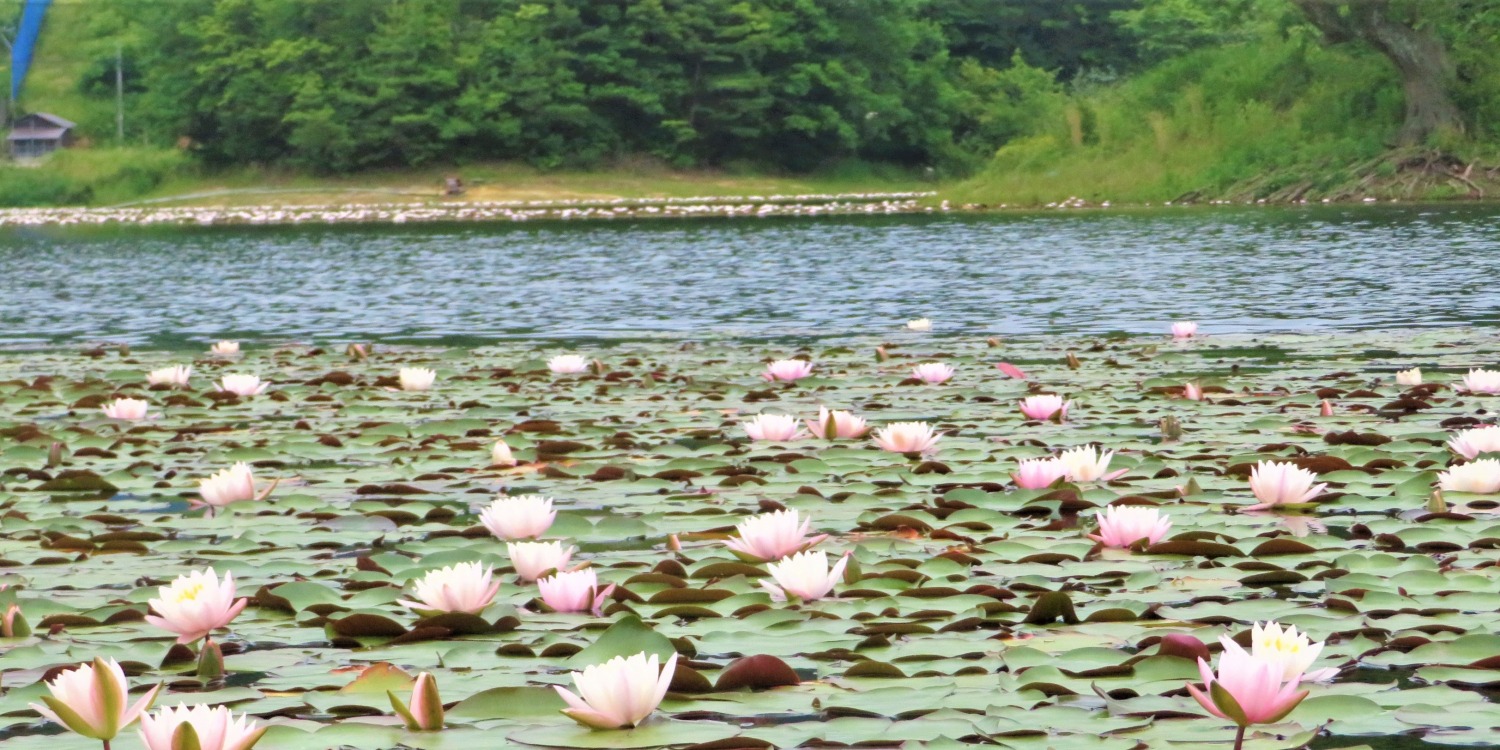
column 975, row 613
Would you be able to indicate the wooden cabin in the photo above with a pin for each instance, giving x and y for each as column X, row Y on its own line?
column 39, row 134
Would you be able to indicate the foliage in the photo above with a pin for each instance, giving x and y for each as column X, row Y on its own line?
column 81, row 176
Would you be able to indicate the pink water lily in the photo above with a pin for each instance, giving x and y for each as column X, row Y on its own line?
column 907, row 437
column 1192, row 392
column 1471, row 443
column 932, row 373
column 772, row 536
column 425, row 712
column 1246, row 690
column 1123, row 525
column 92, row 700
column 575, row 591
column 1010, row 370
column 833, row 425
column 1278, row 483
column 532, row 560
column 231, row 485
column 196, row 604
column 1044, row 406
column 241, row 385
column 198, row 727
column 775, row 428
column 787, row 370
column 568, row 364
column 1037, row 473
column 1184, row 329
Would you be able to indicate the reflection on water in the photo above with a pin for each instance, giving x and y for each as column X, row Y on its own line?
column 1234, row 270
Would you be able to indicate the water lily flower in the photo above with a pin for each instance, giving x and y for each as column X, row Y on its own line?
column 1247, row 690
column 417, row 378
column 176, row 376
column 1482, row 381
column 231, row 485
column 1087, row 464
column 777, row 428
column 91, row 700
column 1036, row 473
column 567, row 364
column 1409, row 377
column 1044, row 406
column 195, row 604
column 933, row 373
column 575, row 591
column 1192, row 392
column 199, row 727
column 619, row 693
column 1123, row 525
column 500, row 455
column 1183, row 329
column 834, row 424
column 1471, row 443
column 532, row 560
column 920, row 324
column 131, row 409
column 1482, row 477
column 425, row 712
column 772, row 536
column 787, row 370
column 241, row 385
column 464, row 587
column 225, row 348
column 1325, row 409
column 804, row 575
column 1277, row 483
column 907, row 437
column 1294, row 651
column 519, row 517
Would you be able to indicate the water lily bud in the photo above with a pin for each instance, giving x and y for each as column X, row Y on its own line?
column 1325, row 409
column 13, row 624
column 54, row 454
column 1182, row 646
column 1436, row 503
column 92, row 700
column 1073, row 362
column 425, row 712
column 210, row 662
column 1171, row 427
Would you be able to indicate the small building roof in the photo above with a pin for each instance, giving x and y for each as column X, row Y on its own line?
column 37, row 134
column 54, row 119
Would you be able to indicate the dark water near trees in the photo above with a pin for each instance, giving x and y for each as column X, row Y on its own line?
column 1232, row 269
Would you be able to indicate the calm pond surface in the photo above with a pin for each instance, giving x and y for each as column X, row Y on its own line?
column 1232, row 269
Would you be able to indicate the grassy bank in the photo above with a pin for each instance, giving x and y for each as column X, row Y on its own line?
column 1282, row 121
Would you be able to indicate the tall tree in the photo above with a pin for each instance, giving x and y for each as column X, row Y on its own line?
column 1402, row 32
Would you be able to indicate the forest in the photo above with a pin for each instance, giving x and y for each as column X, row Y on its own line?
column 1194, row 94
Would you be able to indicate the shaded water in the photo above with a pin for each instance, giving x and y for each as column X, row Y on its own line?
column 1234, row 270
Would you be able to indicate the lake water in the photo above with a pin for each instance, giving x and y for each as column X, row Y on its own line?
column 1232, row 269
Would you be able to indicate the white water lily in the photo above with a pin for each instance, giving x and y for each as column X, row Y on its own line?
column 568, row 364
column 778, row 428
column 920, row 324
column 1409, row 377
column 1482, row 381
column 1087, row 464
column 804, row 575
column 1123, row 525
column 417, row 378
column 907, row 437
column 772, row 536
column 175, row 376
column 128, row 409
column 1281, row 483
column 933, row 373
column 500, row 455
column 619, row 693
column 1481, row 477
column 465, row 587
column 225, row 348
column 1294, row 651
column 519, row 517
column 1471, row 443
column 532, row 560
column 241, row 385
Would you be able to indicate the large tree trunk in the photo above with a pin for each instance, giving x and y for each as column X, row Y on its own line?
column 1417, row 53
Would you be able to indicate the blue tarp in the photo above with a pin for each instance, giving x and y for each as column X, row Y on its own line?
column 25, row 43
